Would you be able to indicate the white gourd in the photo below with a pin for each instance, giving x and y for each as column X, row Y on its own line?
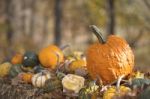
column 38, row 80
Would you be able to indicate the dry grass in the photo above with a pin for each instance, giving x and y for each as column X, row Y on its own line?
column 25, row 91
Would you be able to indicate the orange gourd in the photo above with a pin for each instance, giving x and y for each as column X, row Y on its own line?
column 112, row 93
column 50, row 56
column 26, row 77
column 77, row 64
column 17, row 59
column 109, row 59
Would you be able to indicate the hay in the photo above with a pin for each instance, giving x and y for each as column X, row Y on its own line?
column 25, row 91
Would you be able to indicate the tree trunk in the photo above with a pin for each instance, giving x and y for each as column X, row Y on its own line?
column 32, row 17
column 8, row 21
column 58, row 17
column 111, row 17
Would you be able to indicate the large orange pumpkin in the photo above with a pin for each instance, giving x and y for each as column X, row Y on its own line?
column 50, row 56
column 109, row 59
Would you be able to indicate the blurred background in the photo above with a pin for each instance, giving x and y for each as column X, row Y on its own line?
column 33, row 24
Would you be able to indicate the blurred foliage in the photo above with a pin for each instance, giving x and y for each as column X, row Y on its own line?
column 132, row 19
column 96, row 11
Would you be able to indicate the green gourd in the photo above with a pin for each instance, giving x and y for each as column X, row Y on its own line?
column 52, row 84
column 83, row 94
column 30, row 59
column 139, row 82
column 38, row 68
column 145, row 94
column 15, row 70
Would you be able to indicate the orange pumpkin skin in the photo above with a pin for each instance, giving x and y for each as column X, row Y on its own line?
column 50, row 56
column 110, row 60
column 17, row 59
column 26, row 77
column 77, row 64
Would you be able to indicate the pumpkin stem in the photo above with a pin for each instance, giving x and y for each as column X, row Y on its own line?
column 97, row 32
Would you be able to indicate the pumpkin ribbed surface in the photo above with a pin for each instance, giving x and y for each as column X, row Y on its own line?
column 110, row 60
column 38, row 80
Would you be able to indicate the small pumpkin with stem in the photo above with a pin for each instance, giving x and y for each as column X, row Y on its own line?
column 50, row 56
column 109, row 59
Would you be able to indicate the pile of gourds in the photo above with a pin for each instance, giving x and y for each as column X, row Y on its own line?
column 49, row 69
column 105, row 71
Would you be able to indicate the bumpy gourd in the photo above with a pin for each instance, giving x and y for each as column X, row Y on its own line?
column 4, row 69
column 72, row 83
column 109, row 59
column 52, row 84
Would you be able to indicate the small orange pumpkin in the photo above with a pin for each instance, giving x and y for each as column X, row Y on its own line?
column 112, row 93
column 77, row 64
column 17, row 59
column 26, row 77
column 50, row 56
column 109, row 59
